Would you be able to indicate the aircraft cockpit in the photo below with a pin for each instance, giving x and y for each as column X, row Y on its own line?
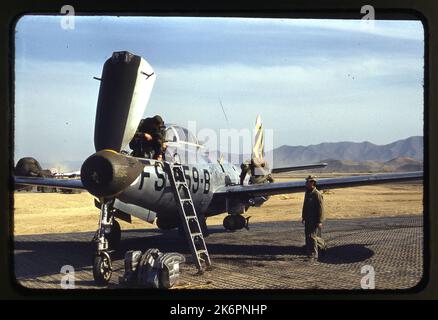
column 177, row 134
column 183, row 146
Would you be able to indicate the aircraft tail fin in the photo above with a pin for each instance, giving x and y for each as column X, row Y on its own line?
column 258, row 148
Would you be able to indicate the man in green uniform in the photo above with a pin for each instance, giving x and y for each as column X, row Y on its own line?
column 149, row 139
column 313, row 217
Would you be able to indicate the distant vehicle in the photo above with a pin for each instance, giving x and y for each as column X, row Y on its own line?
column 68, row 175
column 72, row 174
column 30, row 167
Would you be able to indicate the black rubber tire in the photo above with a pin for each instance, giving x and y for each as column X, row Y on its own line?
column 229, row 223
column 114, row 236
column 240, row 222
column 234, row 222
column 101, row 270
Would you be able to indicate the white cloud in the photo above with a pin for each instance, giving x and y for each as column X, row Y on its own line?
column 410, row 30
column 344, row 98
column 375, row 99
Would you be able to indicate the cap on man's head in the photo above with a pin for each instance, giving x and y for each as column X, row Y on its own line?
column 311, row 178
column 158, row 120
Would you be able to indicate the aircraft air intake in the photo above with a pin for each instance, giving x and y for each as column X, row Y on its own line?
column 107, row 173
column 126, row 84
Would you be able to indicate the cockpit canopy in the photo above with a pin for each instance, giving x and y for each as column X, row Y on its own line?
column 178, row 134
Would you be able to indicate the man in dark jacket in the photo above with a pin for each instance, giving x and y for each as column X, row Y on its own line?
column 313, row 217
column 149, row 139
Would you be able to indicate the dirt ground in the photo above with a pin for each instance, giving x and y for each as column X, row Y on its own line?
column 37, row 213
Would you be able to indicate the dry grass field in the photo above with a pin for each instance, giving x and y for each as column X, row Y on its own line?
column 36, row 213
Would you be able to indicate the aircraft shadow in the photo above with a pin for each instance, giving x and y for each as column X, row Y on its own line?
column 344, row 254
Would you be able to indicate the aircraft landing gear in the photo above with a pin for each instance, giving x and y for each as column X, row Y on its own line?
column 102, row 268
column 114, row 235
column 234, row 222
column 108, row 227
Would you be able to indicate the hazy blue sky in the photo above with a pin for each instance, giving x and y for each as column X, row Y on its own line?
column 312, row 81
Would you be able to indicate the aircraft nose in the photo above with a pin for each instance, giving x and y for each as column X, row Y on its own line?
column 107, row 173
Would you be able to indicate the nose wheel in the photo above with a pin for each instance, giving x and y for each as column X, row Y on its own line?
column 107, row 235
column 102, row 268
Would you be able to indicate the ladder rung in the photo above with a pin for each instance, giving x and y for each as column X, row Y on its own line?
column 197, row 234
column 191, row 217
column 185, row 199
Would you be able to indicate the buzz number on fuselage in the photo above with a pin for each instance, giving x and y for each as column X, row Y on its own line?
column 160, row 182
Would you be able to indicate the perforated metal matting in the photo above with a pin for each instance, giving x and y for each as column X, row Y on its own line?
column 268, row 256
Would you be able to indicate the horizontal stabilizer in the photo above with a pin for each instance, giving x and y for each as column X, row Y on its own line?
column 297, row 168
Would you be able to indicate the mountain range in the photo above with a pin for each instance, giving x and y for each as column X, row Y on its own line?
column 401, row 155
column 411, row 147
column 400, row 164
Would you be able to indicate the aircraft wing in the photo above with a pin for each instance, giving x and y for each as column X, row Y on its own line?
column 49, row 182
column 267, row 189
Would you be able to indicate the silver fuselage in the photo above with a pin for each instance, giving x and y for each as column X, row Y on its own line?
column 151, row 190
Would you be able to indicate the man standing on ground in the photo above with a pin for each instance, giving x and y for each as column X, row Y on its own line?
column 313, row 217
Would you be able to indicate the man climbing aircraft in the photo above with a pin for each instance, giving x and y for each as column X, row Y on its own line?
column 148, row 141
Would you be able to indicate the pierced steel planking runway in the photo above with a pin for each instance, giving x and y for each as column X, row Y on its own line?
column 269, row 256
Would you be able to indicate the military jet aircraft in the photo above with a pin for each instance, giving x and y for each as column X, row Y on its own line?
column 126, row 186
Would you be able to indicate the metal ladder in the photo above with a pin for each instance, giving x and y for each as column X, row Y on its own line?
column 188, row 215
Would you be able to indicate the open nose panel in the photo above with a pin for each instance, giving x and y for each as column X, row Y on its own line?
column 126, row 85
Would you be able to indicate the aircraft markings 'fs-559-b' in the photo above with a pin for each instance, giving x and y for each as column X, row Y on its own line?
column 128, row 186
